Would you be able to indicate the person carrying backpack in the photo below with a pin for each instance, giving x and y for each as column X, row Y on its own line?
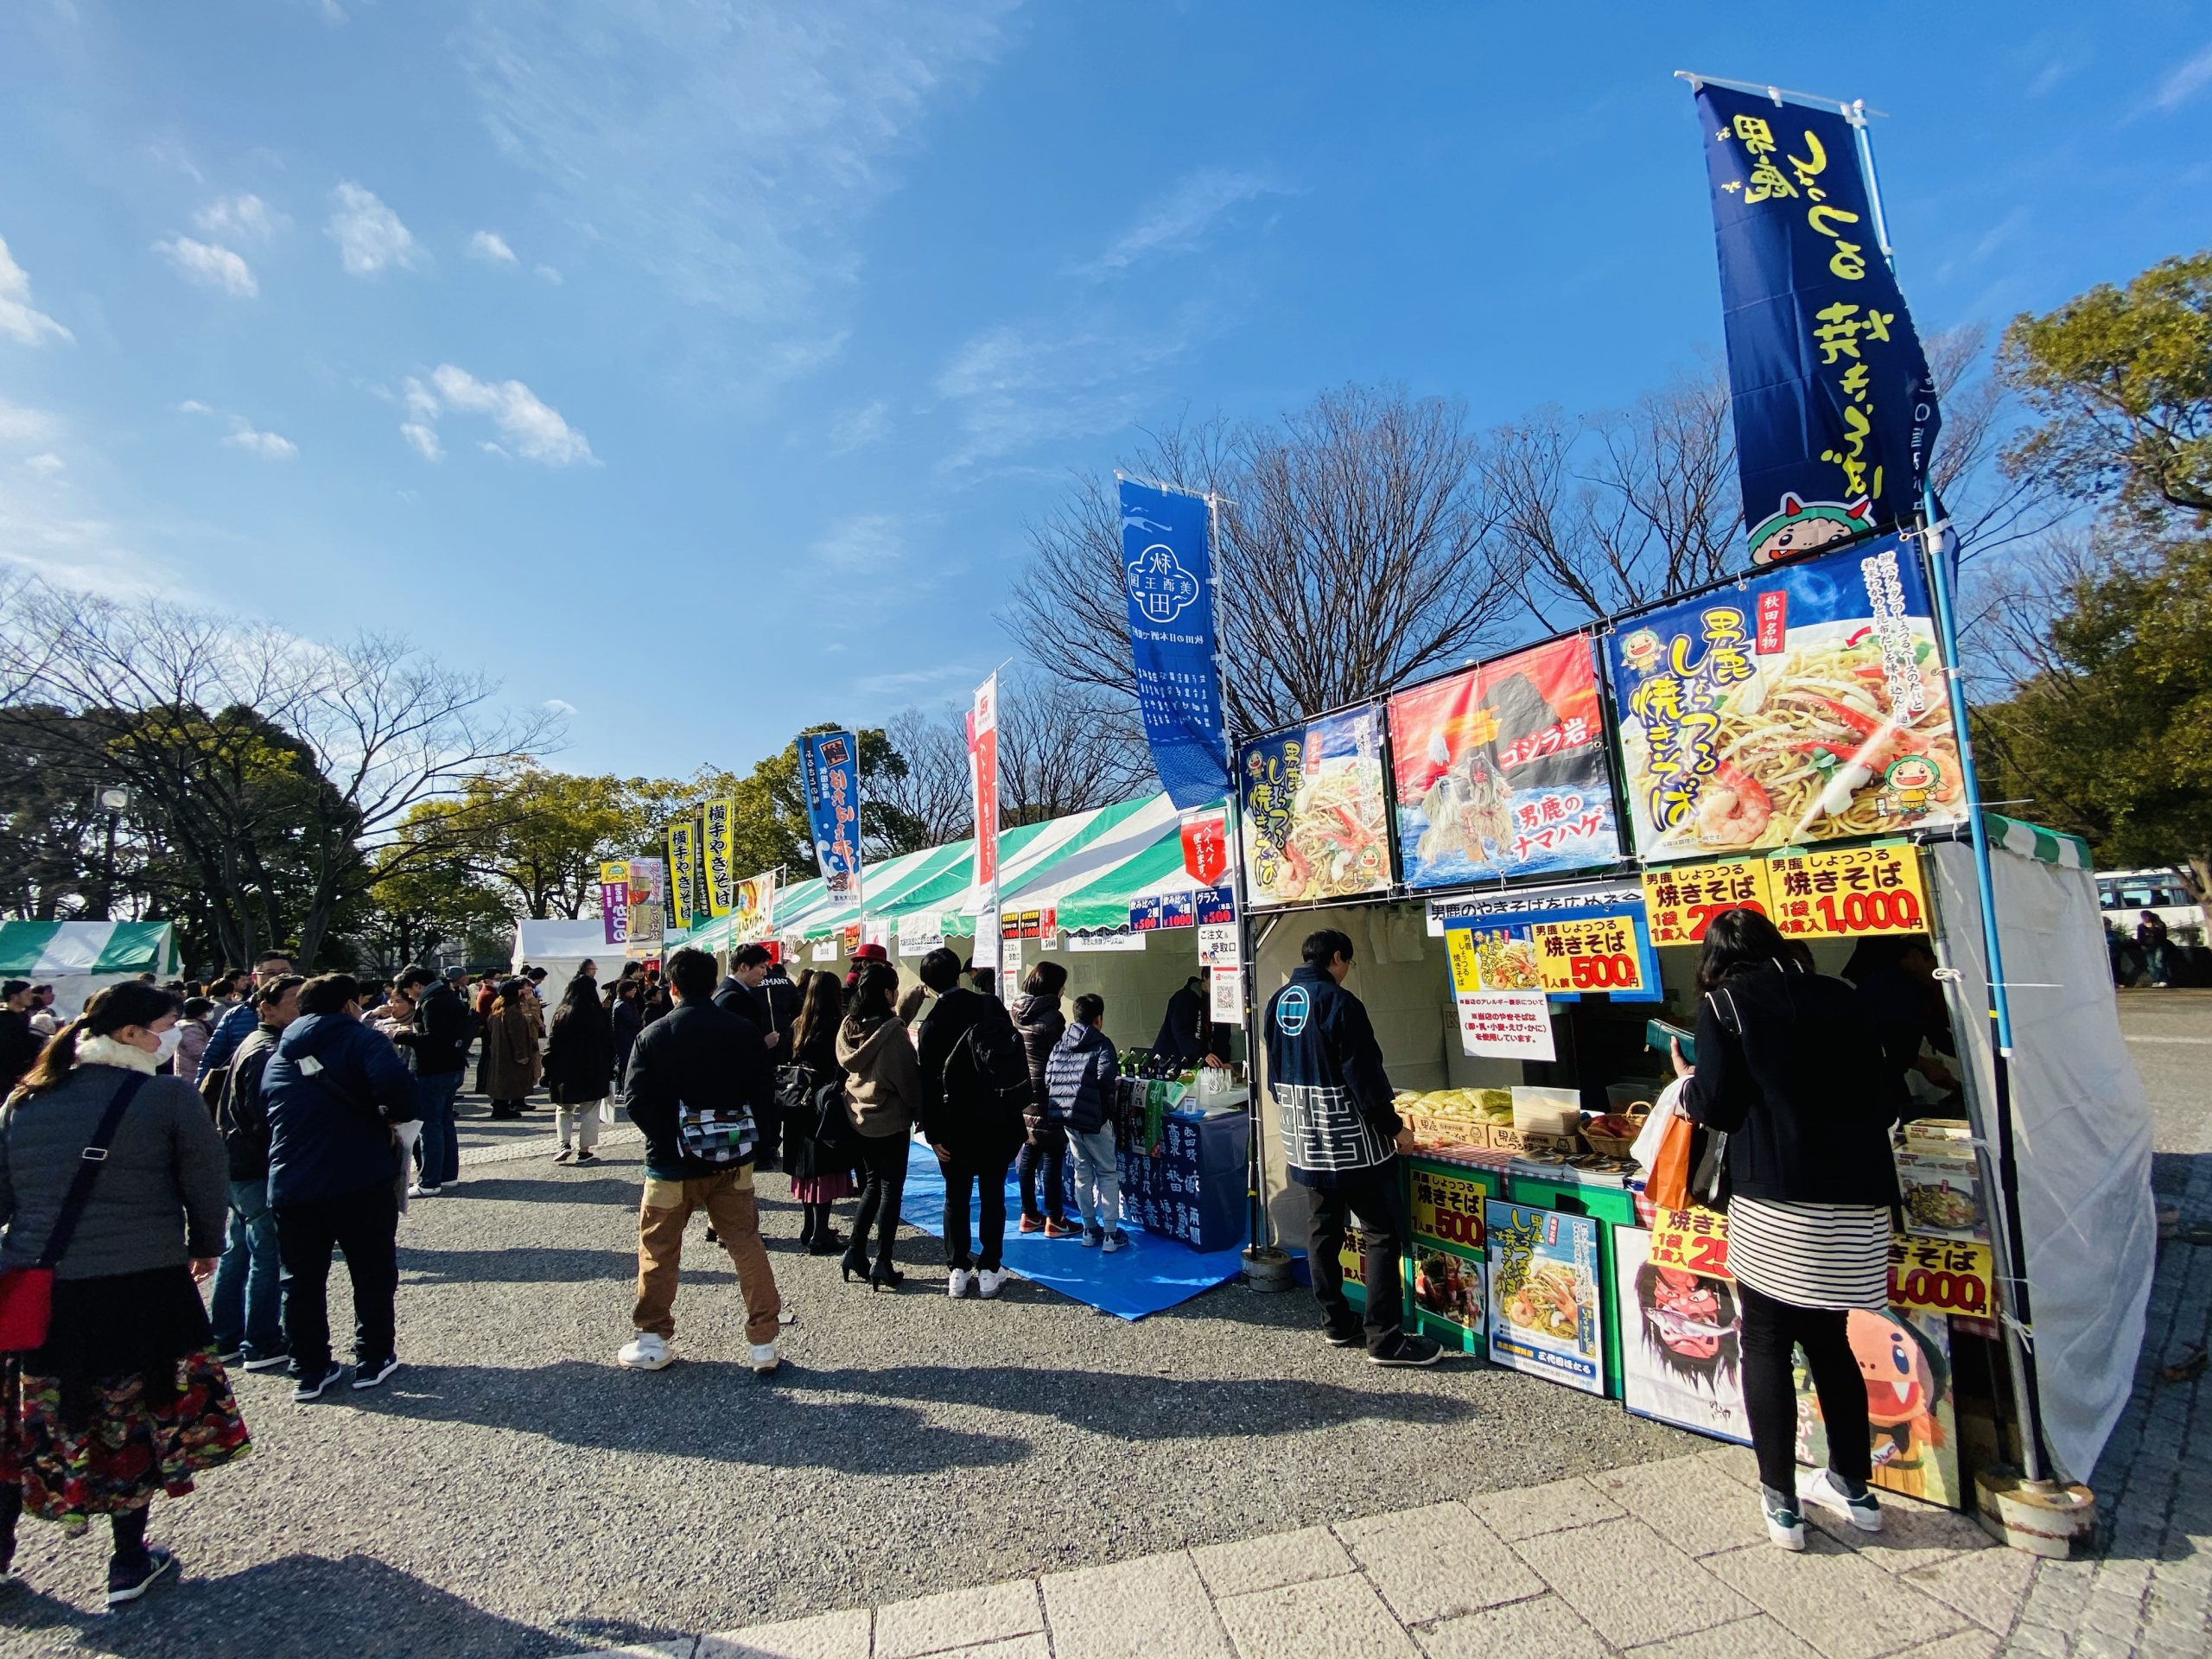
column 975, row 1086
column 244, row 1305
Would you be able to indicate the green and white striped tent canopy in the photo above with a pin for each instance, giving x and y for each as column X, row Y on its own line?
column 2033, row 841
column 78, row 958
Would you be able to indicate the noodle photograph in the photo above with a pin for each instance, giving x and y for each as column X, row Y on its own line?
column 1315, row 820
column 1806, row 704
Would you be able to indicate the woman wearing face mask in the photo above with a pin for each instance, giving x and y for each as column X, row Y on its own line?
column 125, row 1398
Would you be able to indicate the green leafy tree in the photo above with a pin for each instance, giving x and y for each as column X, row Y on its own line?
column 2110, row 733
column 2123, row 376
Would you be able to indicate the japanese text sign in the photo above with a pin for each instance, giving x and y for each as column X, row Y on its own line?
column 1681, row 901
column 1314, row 824
column 1847, row 891
column 1503, row 770
column 682, row 861
column 1835, row 411
column 830, row 764
column 1807, row 703
column 983, row 776
column 614, row 900
column 717, row 855
column 1447, row 1206
column 1167, row 575
column 1942, row 1275
column 1690, row 1241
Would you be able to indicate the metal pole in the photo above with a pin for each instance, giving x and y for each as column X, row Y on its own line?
column 2017, row 1316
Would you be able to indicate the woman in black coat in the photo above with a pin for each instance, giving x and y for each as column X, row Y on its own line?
column 821, row 1171
column 1790, row 1066
column 1037, row 1016
column 579, row 1069
column 628, row 1021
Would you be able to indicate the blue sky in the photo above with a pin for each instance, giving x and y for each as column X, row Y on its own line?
column 699, row 365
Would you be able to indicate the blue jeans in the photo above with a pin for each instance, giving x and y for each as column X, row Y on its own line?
column 437, row 1152
column 245, row 1296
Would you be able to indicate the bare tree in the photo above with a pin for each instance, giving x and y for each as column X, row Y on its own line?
column 1350, row 545
column 934, row 790
column 1604, row 513
column 1989, row 510
column 274, row 765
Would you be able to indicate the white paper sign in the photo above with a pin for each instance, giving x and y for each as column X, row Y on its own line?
column 1218, row 946
column 985, row 953
column 1508, row 1025
column 918, row 935
column 1122, row 940
column 1228, row 985
column 1009, row 967
column 822, row 950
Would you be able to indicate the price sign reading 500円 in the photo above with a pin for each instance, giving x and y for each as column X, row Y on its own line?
column 1848, row 891
column 1596, row 953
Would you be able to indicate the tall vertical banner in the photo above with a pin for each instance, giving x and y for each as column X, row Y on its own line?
column 1835, row 411
column 831, row 767
column 983, row 775
column 1167, row 574
column 614, row 901
column 648, row 905
column 683, row 865
column 717, row 823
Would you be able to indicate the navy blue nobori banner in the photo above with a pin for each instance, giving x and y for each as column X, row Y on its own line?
column 1167, row 571
column 830, row 765
column 1835, row 413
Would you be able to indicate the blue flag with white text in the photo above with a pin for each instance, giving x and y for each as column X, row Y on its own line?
column 1167, row 575
column 830, row 763
column 1835, row 412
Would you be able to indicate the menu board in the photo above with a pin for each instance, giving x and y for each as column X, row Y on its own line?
column 1804, row 703
column 1314, row 820
column 1847, row 891
column 1543, row 1286
column 1682, row 1343
column 1502, row 771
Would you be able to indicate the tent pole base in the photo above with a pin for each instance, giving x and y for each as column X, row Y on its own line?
column 1267, row 1269
column 2043, row 1517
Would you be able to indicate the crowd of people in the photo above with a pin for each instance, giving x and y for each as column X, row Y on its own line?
column 168, row 1140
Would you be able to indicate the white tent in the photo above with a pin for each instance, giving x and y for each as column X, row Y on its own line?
column 78, row 958
column 560, row 948
column 2080, row 1122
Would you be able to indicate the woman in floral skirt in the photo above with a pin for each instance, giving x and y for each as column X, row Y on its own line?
column 125, row 1398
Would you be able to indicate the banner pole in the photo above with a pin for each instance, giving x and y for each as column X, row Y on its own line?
column 2017, row 1316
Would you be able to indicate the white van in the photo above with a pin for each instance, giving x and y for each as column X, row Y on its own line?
column 2124, row 895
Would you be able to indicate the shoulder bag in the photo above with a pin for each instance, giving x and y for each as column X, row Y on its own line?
column 27, row 1294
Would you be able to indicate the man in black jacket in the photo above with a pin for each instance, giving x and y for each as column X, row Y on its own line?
column 757, row 991
column 699, row 1078
column 19, row 1045
column 967, row 1119
column 437, row 1051
column 1341, row 1137
column 245, row 1306
column 1187, row 1034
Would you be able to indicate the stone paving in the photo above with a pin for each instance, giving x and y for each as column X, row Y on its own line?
column 1668, row 1559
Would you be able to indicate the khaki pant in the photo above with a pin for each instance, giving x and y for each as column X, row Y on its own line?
column 728, row 1200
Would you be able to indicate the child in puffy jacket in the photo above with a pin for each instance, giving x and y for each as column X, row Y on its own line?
column 1079, row 1080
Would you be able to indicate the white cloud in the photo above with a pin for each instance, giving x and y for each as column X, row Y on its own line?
column 546, row 273
column 242, row 218
column 18, row 319
column 492, row 248
column 369, row 234
column 1178, row 221
column 532, row 428
column 46, row 464
column 1018, row 385
column 857, row 428
column 267, row 446
column 861, row 543
column 334, row 14
column 211, row 265
column 559, row 706
column 2184, row 81
column 728, row 151
column 23, row 427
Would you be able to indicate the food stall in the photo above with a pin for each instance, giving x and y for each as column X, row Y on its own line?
column 1525, row 856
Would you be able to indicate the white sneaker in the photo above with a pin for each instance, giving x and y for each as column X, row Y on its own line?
column 990, row 1281
column 1785, row 1526
column 959, row 1281
column 1825, row 1490
column 646, row 1351
column 419, row 1191
column 763, row 1358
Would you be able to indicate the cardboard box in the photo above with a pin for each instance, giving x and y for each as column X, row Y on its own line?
column 1940, row 1137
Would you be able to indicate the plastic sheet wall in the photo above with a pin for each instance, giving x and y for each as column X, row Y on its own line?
column 2082, row 1133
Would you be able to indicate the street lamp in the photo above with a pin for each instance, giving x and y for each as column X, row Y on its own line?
column 114, row 800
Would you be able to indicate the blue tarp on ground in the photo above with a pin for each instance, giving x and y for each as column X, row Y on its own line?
column 1151, row 1275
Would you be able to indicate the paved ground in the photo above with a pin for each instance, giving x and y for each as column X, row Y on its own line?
column 1212, row 1481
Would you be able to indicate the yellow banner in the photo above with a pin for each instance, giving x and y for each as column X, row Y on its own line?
column 1682, row 899
column 1592, row 953
column 1447, row 1207
column 1847, row 891
column 1942, row 1275
column 718, row 820
column 680, row 872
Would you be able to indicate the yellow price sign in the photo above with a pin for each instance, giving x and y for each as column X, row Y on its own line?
column 1682, row 900
column 1590, row 953
column 1942, row 1275
column 1847, row 891
column 1447, row 1207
